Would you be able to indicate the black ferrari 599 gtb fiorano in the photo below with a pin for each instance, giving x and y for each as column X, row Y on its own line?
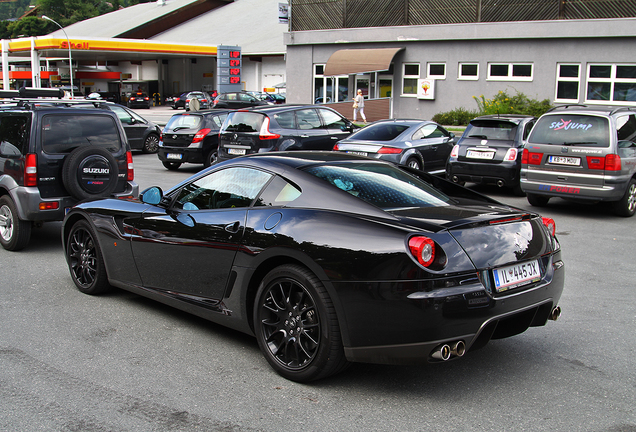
column 327, row 259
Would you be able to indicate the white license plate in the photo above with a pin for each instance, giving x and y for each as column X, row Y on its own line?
column 516, row 275
column 563, row 160
column 174, row 156
column 359, row 153
column 480, row 154
column 236, row 151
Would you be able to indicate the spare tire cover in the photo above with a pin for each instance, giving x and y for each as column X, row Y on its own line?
column 90, row 172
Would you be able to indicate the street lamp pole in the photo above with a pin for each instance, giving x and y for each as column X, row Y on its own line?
column 70, row 60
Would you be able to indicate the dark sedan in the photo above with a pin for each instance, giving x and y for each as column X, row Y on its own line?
column 419, row 144
column 327, row 259
column 142, row 134
column 490, row 151
column 236, row 100
column 139, row 100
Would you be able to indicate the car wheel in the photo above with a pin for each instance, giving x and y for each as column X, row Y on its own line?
column 413, row 162
column 174, row 107
column 211, row 158
column 14, row 232
column 90, row 172
column 172, row 166
column 85, row 260
column 537, row 200
column 151, row 145
column 296, row 325
column 627, row 205
column 517, row 191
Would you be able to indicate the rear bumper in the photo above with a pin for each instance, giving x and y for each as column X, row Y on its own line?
column 489, row 173
column 189, row 155
column 613, row 188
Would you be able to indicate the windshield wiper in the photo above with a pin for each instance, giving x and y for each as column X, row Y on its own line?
column 178, row 128
column 577, row 143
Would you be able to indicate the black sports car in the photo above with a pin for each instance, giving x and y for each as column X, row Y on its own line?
column 326, row 258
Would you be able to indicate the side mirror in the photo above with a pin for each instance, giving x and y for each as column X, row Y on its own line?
column 151, row 195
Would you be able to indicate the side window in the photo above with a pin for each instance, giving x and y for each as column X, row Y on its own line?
column 332, row 120
column 308, row 119
column 217, row 121
column 527, row 129
column 228, row 188
column 123, row 115
column 426, row 131
column 278, row 193
column 14, row 136
column 626, row 130
column 231, row 96
column 286, row 120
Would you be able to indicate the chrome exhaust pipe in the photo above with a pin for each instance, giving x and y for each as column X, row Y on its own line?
column 500, row 183
column 458, row 348
column 555, row 313
column 442, row 352
column 455, row 179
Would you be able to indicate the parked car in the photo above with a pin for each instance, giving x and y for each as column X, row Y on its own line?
column 420, row 144
column 271, row 98
column 583, row 153
column 327, row 258
column 139, row 100
column 490, row 151
column 179, row 101
column 142, row 134
column 192, row 138
column 237, row 100
column 203, row 98
column 53, row 155
column 281, row 127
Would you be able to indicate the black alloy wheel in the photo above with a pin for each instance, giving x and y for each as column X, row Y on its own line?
column 151, row 145
column 211, row 158
column 296, row 325
column 14, row 232
column 172, row 166
column 413, row 162
column 85, row 260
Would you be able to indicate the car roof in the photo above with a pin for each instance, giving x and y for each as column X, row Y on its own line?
column 591, row 109
column 513, row 118
column 279, row 108
column 409, row 122
column 211, row 111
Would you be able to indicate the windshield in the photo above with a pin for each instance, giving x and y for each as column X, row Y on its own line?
column 185, row 121
column 385, row 186
column 568, row 129
column 380, row 132
column 491, row 130
column 243, row 122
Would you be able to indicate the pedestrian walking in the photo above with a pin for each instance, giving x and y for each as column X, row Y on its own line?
column 358, row 107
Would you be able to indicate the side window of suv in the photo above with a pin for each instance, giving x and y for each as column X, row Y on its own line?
column 308, row 119
column 286, row 120
column 14, row 135
column 626, row 130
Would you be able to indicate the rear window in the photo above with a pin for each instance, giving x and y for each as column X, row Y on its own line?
column 64, row 133
column 380, row 132
column 491, row 130
column 568, row 129
column 243, row 122
column 382, row 185
column 185, row 121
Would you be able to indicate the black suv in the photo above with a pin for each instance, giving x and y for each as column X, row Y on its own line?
column 281, row 127
column 52, row 155
column 191, row 137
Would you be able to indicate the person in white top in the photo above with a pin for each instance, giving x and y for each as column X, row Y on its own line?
column 358, row 106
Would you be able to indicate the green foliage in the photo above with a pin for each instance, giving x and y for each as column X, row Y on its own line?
column 456, row 117
column 501, row 103
column 29, row 26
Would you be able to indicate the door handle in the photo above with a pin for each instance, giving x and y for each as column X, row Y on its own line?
column 233, row 227
column 304, row 136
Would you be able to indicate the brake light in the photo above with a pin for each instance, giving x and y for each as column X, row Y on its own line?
column 613, row 162
column 200, row 135
column 550, row 224
column 389, row 150
column 423, row 249
column 335, row 147
column 595, row 162
column 131, row 170
column 529, row 158
column 455, row 151
column 49, row 205
column 132, row 98
column 511, row 154
column 265, row 134
column 31, row 170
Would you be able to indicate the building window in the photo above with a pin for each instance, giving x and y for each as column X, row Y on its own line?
column 568, row 81
column 468, row 71
column 611, row 83
column 411, row 73
column 510, row 71
column 324, row 89
column 436, row 70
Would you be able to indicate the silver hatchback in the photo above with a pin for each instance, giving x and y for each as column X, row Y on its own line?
column 584, row 153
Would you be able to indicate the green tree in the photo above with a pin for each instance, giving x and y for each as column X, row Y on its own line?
column 29, row 26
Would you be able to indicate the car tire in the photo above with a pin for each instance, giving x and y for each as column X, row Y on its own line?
column 537, row 200
column 85, row 260
column 414, row 163
column 517, row 191
column 626, row 207
column 174, row 107
column 151, row 144
column 211, row 158
column 296, row 325
column 82, row 185
column 172, row 166
column 14, row 232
